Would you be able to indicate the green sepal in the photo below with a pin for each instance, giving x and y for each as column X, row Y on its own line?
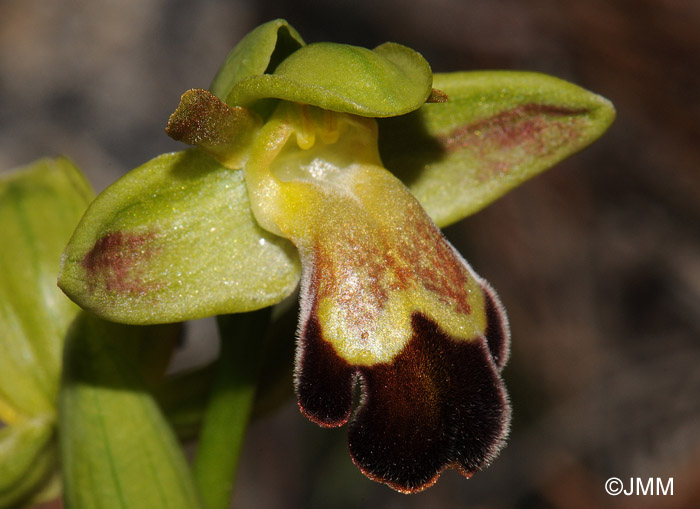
column 496, row 130
column 115, row 444
column 40, row 205
column 387, row 81
column 173, row 240
column 259, row 52
column 27, row 459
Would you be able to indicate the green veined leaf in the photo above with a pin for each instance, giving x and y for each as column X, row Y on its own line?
column 389, row 80
column 27, row 459
column 258, row 52
column 496, row 130
column 172, row 240
column 116, row 448
column 40, row 205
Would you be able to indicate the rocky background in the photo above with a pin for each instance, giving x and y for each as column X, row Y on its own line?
column 597, row 261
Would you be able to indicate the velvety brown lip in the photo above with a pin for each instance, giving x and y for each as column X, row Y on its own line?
column 324, row 380
column 439, row 404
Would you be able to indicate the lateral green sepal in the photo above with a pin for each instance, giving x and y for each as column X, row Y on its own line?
column 496, row 130
column 173, row 240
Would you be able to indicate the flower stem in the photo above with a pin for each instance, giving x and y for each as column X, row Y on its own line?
column 230, row 404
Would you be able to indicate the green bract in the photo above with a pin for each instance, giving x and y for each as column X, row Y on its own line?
column 115, row 444
column 39, row 206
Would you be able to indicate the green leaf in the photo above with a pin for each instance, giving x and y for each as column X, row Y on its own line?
column 387, row 81
column 117, row 450
column 39, row 206
column 27, row 459
column 496, row 130
column 258, row 52
column 173, row 240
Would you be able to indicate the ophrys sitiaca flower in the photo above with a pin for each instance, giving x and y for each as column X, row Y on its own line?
column 335, row 165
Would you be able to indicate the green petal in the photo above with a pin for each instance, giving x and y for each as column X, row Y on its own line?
column 115, row 443
column 225, row 132
column 258, row 52
column 387, row 81
column 39, row 207
column 27, row 458
column 173, row 240
column 497, row 130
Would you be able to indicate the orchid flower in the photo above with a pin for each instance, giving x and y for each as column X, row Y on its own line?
column 331, row 167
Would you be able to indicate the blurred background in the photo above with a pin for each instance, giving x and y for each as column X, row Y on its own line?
column 597, row 261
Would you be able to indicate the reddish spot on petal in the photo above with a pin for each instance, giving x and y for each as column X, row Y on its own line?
column 114, row 261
